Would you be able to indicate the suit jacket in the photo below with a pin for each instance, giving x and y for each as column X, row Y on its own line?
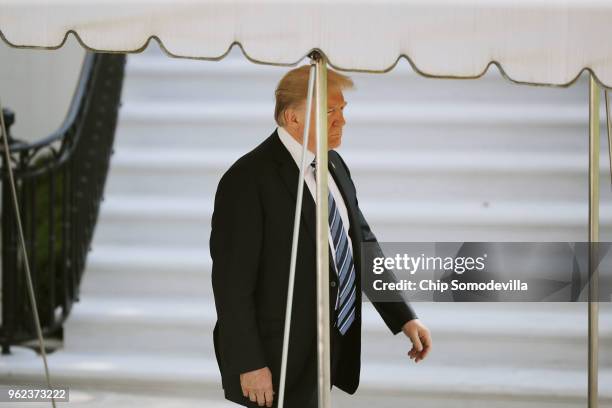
column 250, row 246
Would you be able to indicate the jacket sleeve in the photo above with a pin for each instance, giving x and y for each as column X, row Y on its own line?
column 235, row 244
column 395, row 311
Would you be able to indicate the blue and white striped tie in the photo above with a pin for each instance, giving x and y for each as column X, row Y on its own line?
column 347, row 291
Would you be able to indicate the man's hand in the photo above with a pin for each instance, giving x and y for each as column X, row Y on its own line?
column 420, row 338
column 257, row 386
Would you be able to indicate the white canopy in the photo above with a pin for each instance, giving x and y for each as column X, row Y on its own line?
column 533, row 41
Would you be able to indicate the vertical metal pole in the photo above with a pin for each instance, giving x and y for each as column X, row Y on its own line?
column 609, row 130
column 296, row 236
column 323, row 342
column 594, row 148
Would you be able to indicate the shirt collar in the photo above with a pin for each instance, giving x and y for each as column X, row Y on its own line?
column 294, row 147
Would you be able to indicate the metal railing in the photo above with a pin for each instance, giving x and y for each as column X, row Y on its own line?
column 60, row 183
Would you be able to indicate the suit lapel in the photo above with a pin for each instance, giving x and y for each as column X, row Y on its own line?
column 290, row 174
column 348, row 194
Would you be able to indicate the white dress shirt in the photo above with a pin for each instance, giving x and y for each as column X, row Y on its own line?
column 295, row 148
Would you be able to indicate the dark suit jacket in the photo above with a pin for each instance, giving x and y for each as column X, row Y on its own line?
column 250, row 245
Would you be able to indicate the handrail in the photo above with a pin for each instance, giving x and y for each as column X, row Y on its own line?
column 60, row 182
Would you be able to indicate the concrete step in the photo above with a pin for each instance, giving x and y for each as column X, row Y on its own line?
column 160, row 159
column 546, row 321
column 147, row 272
column 154, row 222
column 175, row 223
column 465, row 334
column 400, row 381
column 432, row 176
column 179, row 326
column 475, row 113
column 417, row 135
column 502, row 226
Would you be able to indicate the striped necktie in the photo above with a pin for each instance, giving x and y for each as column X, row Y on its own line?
column 347, row 291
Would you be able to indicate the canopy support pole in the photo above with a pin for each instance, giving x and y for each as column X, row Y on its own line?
column 609, row 130
column 323, row 318
column 594, row 150
column 296, row 235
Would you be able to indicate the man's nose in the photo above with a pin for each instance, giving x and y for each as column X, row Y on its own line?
column 339, row 119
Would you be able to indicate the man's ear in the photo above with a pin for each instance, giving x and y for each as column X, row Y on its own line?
column 287, row 117
column 291, row 118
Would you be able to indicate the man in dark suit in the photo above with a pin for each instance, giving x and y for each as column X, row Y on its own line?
column 250, row 245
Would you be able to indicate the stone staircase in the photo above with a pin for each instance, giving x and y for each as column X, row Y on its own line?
column 433, row 160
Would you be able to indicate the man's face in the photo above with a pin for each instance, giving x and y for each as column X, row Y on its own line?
column 335, row 121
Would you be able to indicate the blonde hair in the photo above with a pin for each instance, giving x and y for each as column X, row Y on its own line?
column 292, row 89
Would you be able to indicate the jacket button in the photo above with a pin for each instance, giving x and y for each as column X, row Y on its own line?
column 332, row 284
